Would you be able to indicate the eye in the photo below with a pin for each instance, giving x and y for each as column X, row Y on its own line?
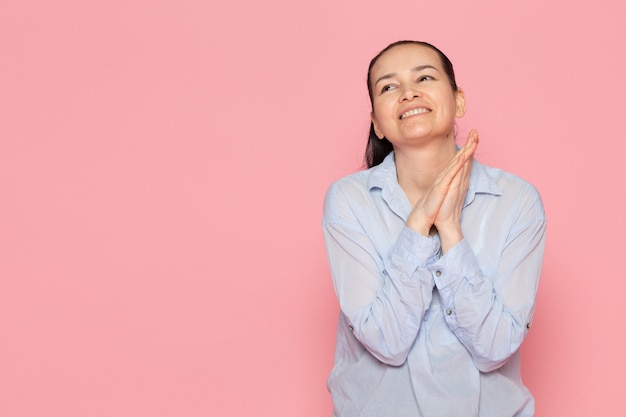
column 425, row 78
column 387, row 87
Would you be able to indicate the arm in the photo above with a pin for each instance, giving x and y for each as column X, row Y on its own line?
column 491, row 314
column 382, row 295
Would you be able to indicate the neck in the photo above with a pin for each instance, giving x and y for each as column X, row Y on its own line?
column 417, row 168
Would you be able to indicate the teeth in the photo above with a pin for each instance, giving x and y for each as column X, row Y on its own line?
column 414, row 112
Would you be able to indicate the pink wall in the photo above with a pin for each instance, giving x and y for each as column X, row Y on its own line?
column 162, row 170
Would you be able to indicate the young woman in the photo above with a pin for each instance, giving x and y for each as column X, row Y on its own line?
column 435, row 258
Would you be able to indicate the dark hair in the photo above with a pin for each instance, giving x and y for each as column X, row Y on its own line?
column 377, row 149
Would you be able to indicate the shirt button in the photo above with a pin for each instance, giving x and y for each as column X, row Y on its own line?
column 448, row 311
column 438, row 273
column 351, row 328
column 528, row 325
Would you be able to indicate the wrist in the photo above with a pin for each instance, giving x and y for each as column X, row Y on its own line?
column 419, row 227
column 450, row 237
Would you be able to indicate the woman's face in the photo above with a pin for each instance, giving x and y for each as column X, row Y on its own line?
column 412, row 99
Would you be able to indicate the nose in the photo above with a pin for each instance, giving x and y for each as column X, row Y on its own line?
column 410, row 92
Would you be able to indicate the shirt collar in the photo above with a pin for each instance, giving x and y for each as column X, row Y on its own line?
column 481, row 182
column 384, row 176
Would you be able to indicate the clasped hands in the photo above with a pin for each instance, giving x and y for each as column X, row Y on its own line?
column 442, row 204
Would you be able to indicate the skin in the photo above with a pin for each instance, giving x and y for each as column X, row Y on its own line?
column 432, row 173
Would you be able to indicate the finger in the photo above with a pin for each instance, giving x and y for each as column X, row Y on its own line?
column 472, row 139
column 460, row 181
column 472, row 143
column 464, row 172
column 468, row 149
column 462, row 158
column 466, row 152
column 447, row 175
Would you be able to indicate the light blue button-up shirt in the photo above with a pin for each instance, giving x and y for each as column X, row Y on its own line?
column 425, row 335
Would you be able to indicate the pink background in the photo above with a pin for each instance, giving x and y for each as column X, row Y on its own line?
column 162, row 171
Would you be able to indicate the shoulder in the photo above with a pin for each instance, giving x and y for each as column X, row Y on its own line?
column 344, row 193
column 357, row 182
column 360, row 183
column 514, row 190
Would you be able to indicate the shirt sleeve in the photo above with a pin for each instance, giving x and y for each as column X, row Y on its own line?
column 383, row 296
column 490, row 312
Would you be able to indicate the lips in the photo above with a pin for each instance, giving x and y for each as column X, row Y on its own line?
column 413, row 112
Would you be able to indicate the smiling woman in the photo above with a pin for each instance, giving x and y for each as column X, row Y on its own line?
column 435, row 258
column 378, row 149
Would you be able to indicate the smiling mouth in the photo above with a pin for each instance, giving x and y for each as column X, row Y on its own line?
column 413, row 112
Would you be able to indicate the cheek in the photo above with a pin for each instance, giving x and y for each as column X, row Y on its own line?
column 450, row 107
column 377, row 107
column 384, row 114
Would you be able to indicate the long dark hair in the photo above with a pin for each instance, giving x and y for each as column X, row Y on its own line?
column 377, row 149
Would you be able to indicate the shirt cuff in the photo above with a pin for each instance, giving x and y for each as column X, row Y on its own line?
column 459, row 262
column 414, row 249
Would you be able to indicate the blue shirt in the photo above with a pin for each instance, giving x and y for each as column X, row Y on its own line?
column 426, row 335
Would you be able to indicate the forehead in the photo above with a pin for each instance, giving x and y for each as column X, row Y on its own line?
column 405, row 57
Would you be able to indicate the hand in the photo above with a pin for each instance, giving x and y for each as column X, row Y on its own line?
column 447, row 193
column 448, row 220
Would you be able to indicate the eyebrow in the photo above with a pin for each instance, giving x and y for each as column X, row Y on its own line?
column 416, row 69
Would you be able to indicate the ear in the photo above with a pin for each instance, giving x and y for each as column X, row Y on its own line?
column 379, row 134
column 460, row 103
